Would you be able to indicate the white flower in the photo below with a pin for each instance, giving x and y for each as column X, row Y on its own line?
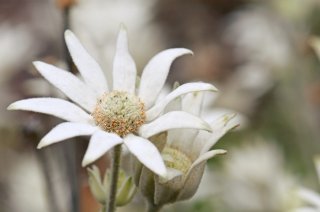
column 124, row 114
column 255, row 179
column 311, row 198
column 185, row 152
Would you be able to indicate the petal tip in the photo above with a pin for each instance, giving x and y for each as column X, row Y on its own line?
column 41, row 66
column 35, row 63
column 123, row 27
column 214, row 89
column 219, row 152
column 190, row 52
column 223, row 152
column 68, row 33
column 185, row 51
column 163, row 174
column 11, row 107
column 41, row 144
column 85, row 162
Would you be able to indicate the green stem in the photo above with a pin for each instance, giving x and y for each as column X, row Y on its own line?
column 153, row 208
column 114, row 179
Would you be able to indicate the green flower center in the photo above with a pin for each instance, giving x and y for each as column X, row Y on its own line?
column 119, row 112
column 173, row 158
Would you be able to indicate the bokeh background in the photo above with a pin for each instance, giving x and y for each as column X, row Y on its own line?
column 258, row 53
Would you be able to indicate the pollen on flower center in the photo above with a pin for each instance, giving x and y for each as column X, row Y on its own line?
column 119, row 112
column 176, row 159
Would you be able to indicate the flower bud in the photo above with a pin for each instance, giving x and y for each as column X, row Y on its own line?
column 125, row 187
column 95, row 184
column 126, row 190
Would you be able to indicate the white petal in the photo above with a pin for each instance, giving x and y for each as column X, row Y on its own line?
column 206, row 156
column 309, row 196
column 99, row 144
column 124, row 67
column 153, row 112
column 183, row 138
column 306, row 209
column 172, row 173
column 174, row 105
column 173, row 120
column 64, row 131
column 87, row 66
column 146, row 153
column 174, row 135
column 219, row 128
column 53, row 106
column 192, row 102
column 155, row 74
column 69, row 84
column 210, row 114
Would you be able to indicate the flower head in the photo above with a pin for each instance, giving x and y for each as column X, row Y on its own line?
column 117, row 113
column 99, row 186
column 185, row 152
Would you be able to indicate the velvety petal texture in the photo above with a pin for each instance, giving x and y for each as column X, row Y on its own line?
column 66, row 130
column 69, row 84
column 87, row 66
column 99, row 144
column 155, row 74
column 124, row 67
column 183, row 89
column 173, row 120
column 146, row 153
column 53, row 106
column 181, row 138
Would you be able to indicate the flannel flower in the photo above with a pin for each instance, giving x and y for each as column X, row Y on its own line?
column 126, row 114
column 185, row 152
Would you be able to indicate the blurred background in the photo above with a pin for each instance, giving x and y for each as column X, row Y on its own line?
column 258, row 53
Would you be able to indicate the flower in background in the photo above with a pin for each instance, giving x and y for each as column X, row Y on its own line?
column 185, row 152
column 123, row 114
column 262, row 58
column 255, row 180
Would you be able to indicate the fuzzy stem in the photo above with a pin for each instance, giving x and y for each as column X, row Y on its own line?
column 114, row 179
column 153, row 208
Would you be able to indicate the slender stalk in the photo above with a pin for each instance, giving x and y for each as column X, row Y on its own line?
column 114, row 179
